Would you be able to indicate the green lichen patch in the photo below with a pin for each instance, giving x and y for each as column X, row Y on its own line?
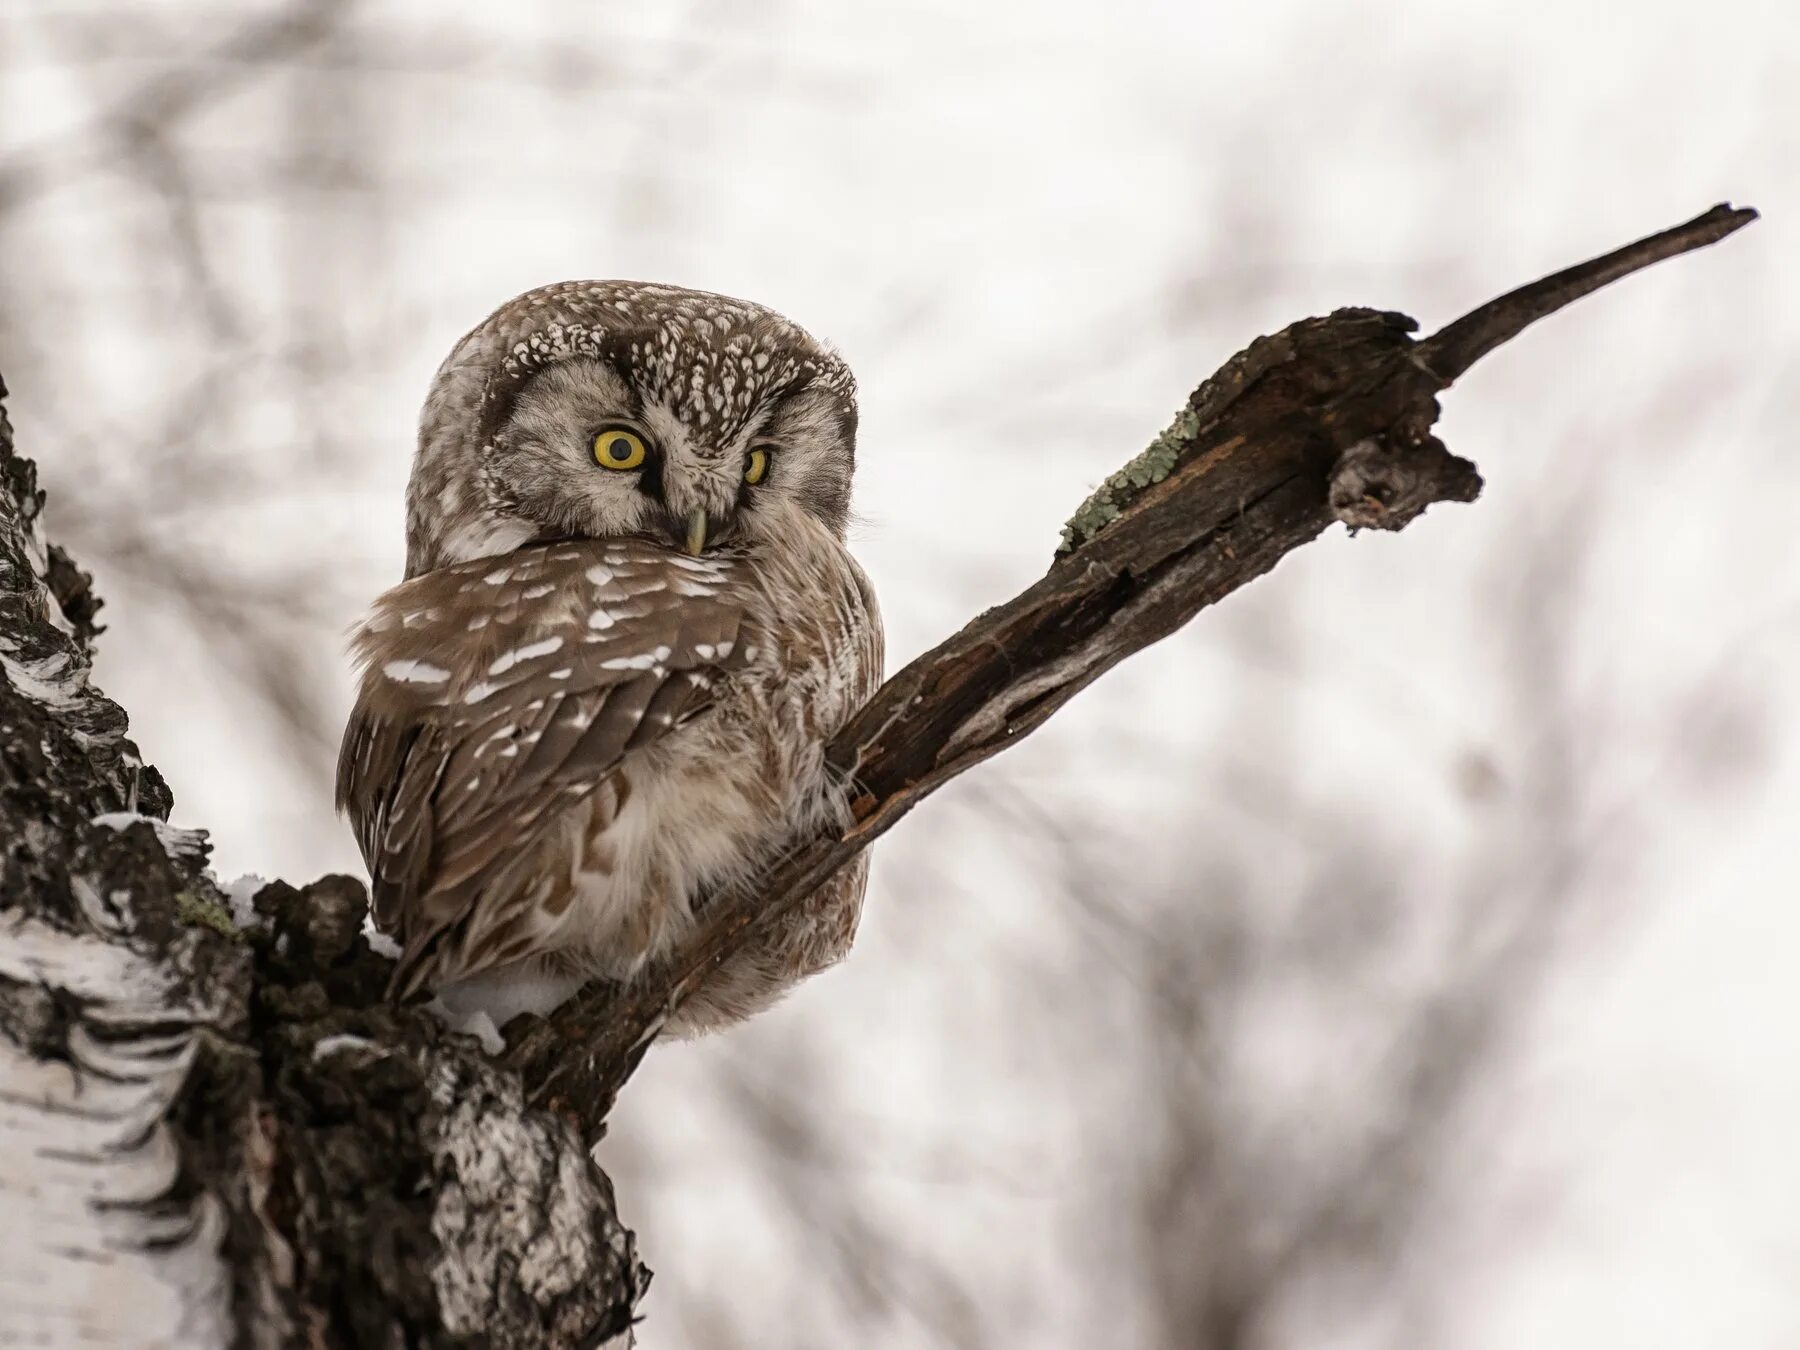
column 1105, row 503
column 198, row 912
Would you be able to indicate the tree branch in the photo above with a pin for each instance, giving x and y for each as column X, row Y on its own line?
column 1457, row 346
column 1328, row 420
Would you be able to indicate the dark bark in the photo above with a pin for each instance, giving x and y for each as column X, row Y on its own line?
column 222, row 1109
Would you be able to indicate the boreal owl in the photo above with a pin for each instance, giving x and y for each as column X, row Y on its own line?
column 628, row 627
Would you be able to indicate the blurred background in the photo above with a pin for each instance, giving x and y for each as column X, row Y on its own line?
column 1399, row 956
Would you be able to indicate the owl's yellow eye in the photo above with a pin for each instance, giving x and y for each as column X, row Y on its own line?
column 756, row 468
column 618, row 448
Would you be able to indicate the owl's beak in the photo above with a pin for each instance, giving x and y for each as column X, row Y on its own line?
column 696, row 532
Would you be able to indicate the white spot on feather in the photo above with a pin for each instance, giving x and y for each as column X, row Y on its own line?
column 529, row 652
column 410, row 671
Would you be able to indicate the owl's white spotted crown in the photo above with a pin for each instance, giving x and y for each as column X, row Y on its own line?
column 711, row 358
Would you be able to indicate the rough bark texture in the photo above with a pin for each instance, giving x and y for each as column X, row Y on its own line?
column 212, row 1129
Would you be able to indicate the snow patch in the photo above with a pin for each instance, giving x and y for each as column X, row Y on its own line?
column 240, row 898
column 326, row 1046
column 379, row 942
column 182, row 845
column 469, row 1022
column 500, row 996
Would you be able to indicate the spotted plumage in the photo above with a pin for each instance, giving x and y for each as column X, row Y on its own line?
column 601, row 696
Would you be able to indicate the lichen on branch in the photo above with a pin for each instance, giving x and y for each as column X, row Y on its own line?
column 1153, row 464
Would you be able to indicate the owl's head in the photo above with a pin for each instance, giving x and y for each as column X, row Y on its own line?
column 592, row 409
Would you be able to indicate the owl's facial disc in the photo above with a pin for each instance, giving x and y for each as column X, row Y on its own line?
column 588, row 453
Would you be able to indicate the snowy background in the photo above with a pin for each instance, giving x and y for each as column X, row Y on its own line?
column 1400, row 955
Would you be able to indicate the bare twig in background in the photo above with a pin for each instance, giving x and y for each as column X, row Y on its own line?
column 1328, row 420
column 159, row 103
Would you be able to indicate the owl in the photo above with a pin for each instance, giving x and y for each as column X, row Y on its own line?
column 629, row 625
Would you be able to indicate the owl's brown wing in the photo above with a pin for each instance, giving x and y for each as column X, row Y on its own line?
column 495, row 696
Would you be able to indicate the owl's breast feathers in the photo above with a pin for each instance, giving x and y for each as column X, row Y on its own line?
column 553, row 749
